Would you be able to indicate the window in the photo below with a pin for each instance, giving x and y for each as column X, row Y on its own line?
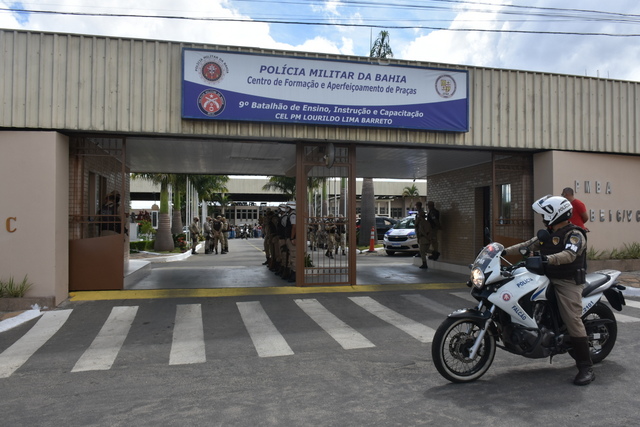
column 505, row 204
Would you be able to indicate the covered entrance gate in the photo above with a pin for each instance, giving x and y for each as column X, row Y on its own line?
column 326, row 205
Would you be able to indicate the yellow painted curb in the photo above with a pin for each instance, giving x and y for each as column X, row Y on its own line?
column 235, row 292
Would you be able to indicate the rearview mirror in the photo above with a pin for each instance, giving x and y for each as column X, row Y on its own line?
column 543, row 235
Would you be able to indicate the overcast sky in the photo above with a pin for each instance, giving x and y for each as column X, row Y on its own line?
column 427, row 34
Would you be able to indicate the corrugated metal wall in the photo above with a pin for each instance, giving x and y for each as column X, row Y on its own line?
column 98, row 84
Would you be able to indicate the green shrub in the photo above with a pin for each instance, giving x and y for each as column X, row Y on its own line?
column 632, row 250
column 142, row 245
column 11, row 289
column 628, row 251
column 146, row 230
column 137, row 246
column 180, row 242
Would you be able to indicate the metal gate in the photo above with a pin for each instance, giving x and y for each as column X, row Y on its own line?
column 98, row 197
column 327, row 205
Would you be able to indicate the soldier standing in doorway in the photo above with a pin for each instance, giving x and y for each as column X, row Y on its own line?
column 276, row 260
column 224, row 239
column 194, row 229
column 331, row 228
column 433, row 216
column 282, row 242
column 266, row 235
column 290, row 238
column 341, row 235
column 217, row 227
column 208, row 235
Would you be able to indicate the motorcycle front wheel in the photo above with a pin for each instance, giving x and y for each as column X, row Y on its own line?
column 451, row 347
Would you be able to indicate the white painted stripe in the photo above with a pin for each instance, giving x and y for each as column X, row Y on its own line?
column 417, row 330
column 18, row 320
column 188, row 336
column 632, row 303
column 16, row 355
column 345, row 335
column 266, row 338
column 429, row 304
column 625, row 319
column 105, row 347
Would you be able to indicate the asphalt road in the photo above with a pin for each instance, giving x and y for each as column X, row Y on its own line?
column 277, row 360
column 242, row 267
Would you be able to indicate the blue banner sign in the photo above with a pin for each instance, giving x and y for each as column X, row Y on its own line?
column 232, row 86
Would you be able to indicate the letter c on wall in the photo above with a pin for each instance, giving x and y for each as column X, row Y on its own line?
column 9, row 229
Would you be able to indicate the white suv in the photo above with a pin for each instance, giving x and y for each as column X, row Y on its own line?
column 402, row 237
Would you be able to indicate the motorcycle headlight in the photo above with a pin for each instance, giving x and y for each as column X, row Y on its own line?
column 477, row 278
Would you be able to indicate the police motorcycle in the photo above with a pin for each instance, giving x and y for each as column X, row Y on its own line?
column 517, row 312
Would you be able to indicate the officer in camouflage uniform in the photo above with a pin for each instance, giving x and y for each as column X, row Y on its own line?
column 290, row 240
column 565, row 253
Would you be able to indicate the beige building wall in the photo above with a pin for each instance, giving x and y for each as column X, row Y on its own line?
column 133, row 86
column 34, row 199
column 609, row 186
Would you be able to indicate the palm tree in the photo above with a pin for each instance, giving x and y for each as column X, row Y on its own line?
column 179, row 185
column 367, row 212
column 411, row 192
column 164, row 239
column 283, row 184
column 209, row 186
column 223, row 200
column 380, row 49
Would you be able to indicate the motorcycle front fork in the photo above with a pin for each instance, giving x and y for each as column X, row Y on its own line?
column 483, row 330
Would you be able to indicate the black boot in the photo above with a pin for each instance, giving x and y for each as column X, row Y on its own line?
column 292, row 277
column 582, row 354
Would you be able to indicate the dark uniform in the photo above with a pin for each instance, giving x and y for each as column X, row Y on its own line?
column 433, row 216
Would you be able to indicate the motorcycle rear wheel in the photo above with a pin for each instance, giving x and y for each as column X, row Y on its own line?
column 452, row 343
column 605, row 335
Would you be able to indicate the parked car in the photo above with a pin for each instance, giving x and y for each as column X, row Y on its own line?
column 383, row 223
column 402, row 237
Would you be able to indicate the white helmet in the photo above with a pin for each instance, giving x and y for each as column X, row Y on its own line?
column 554, row 209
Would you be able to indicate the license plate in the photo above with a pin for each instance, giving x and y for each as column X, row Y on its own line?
column 396, row 244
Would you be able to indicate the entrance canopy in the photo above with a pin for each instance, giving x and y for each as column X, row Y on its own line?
column 233, row 157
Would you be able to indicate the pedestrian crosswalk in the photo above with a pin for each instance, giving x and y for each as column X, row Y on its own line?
column 15, row 356
column 266, row 338
column 105, row 347
column 412, row 315
column 188, row 336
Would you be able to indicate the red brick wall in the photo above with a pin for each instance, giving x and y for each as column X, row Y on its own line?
column 458, row 197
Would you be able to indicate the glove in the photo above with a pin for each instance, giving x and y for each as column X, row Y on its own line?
column 544, row 259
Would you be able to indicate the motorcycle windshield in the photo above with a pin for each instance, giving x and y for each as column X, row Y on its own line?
column 487, row 255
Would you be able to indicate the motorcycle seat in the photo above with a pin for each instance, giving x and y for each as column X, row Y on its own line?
column 594, row 281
